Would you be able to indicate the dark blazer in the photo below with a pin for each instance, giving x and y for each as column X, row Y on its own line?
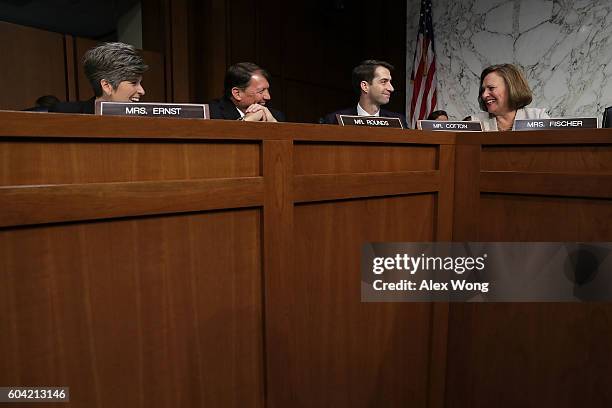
column 330, row 119
column 607, row 118
column 223, row 108
column 36, row 109
column 88, row 107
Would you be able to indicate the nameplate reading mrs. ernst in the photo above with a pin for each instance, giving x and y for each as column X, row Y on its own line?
column 154, row 110
column 555, row 123
column 379, row 121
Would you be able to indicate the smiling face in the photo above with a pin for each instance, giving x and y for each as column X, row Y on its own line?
column 126, row 91
column 258, row 91
column 494, row 94
column 380, row 90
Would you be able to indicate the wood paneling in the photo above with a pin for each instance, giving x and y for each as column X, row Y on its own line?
column 242, row 30
column 333, row 342
column 33, row 65
column 179, row 51
column 309, row 102
column 572, row 138
column 72, row 202
column 70, row 162
column 556, row 184
column 260, row 306
column 467, row 193
column 275, row 16
column 151, row 312
column 50, row 126
column 548, row 158
column 157, row 27
column 278, row 261
column 211, row 48
column 72, row 66
column 362, row 158
column 73, row 185
column 84, row 90
column 341, row 186
column 537, row 354
column 529, row 355
column 154, row 80
column 529, row 218
column 445, row 202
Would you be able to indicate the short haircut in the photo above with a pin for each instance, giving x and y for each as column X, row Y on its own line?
column 436, row 114
column 239, row 76
column 365, row 72
column 519, row 94
column 47, row 101
column 116, row 62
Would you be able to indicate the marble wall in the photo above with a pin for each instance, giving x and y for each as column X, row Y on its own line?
column 564, row 47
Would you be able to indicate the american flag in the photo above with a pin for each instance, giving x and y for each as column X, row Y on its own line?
column 423, row 76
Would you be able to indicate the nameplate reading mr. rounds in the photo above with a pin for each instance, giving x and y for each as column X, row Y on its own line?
column 154, row 110
column 555, row 123
column 450, row 125
column 379, row 121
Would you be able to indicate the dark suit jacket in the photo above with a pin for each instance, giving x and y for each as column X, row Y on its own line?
column 224, row 108
column 88, row 107
column 37, row 109
column 607, row 118
column 330, row 118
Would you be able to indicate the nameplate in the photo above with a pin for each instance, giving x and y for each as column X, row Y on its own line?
column 450, row 125
column 379, row 121
column 555, row 123
column 153, row 110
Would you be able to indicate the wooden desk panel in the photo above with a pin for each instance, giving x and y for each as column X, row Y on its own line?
column 539, row 186
column 96, row 161
column 152, row 311
column 529, row 355
column 544, row 218
column 164, row 256
column 331, row 158
column 548, row 158
column 364, row 353
column 215, row 263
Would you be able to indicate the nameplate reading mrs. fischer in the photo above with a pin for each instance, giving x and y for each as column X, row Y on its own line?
column 450, row 125
column 154, row 110
column 379, row 121
column 555, row 123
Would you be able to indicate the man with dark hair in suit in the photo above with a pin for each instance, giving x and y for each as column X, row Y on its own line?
column 114, row 71
column 245, row 94
column 372, row 82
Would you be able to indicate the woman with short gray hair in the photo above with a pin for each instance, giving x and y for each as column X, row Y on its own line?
column 114, row 71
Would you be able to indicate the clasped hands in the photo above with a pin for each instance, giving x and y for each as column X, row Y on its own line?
column 258, row 113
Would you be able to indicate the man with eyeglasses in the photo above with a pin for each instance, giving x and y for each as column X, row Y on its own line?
column 245, row 95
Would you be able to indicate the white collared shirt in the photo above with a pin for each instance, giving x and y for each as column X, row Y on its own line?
column 362, row 112
column 240, row 112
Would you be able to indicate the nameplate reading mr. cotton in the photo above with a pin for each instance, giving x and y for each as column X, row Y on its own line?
column 379, row 121
column 154, row 110
column 555, row 123
column 450, row 125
